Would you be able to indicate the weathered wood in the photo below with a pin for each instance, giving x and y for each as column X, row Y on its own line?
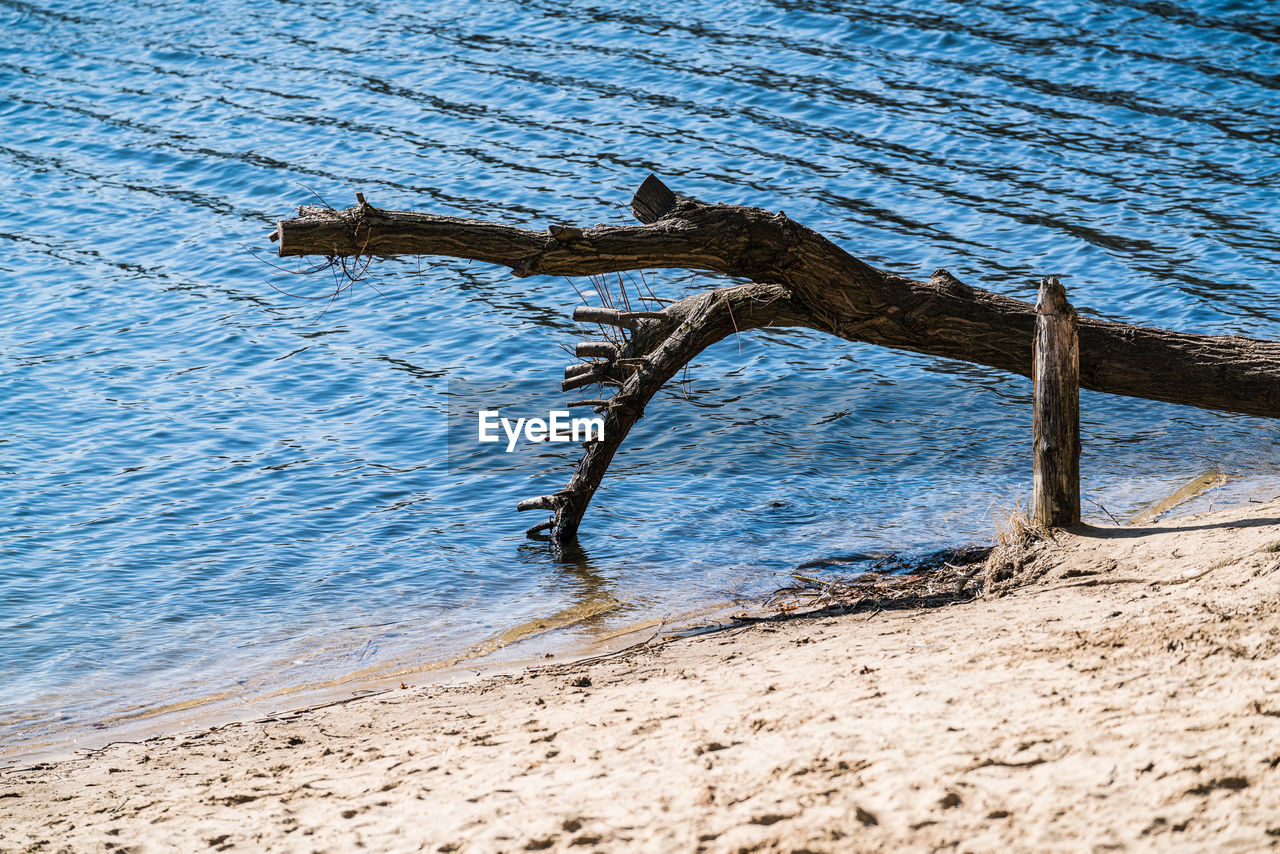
column 542, row 502
column 653, row 200
column 581, row 368
column 582, row 381
column 1055, row 424
column 830, row 291
column 565, row 233
column 798, row 278
column 539, row 528
column 693, row 325
column 590, row 349
column 605, row 317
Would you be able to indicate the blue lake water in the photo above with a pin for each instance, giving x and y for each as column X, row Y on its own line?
column 212, row 488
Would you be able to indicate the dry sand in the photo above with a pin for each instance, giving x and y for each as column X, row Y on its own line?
column 1125, row 696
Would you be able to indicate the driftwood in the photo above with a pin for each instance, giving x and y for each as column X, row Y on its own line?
column 797, row 278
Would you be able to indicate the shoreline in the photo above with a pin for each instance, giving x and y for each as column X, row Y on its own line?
column 524, row 645
column 537, row 643
column 1122, row 692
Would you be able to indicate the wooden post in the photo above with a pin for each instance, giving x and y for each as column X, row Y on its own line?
column 1055, row 425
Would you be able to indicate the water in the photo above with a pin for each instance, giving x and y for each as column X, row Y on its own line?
column 211, row 488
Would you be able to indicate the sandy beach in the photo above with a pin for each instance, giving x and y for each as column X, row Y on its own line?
column 1114, row 689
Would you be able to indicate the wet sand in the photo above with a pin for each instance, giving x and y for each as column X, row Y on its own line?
column 1116, row 688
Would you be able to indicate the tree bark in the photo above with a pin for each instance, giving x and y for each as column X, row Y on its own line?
column 837, row 293
column 663, row 348
column 1055, row 419
column 799, row 278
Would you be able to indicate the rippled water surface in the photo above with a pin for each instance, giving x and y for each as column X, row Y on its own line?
column 210, row 487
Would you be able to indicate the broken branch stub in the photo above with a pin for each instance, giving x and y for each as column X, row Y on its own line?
column 588, row 349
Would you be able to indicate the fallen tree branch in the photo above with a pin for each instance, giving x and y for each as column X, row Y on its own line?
column 689, row 327
column 799, row 278
column 840, row 294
